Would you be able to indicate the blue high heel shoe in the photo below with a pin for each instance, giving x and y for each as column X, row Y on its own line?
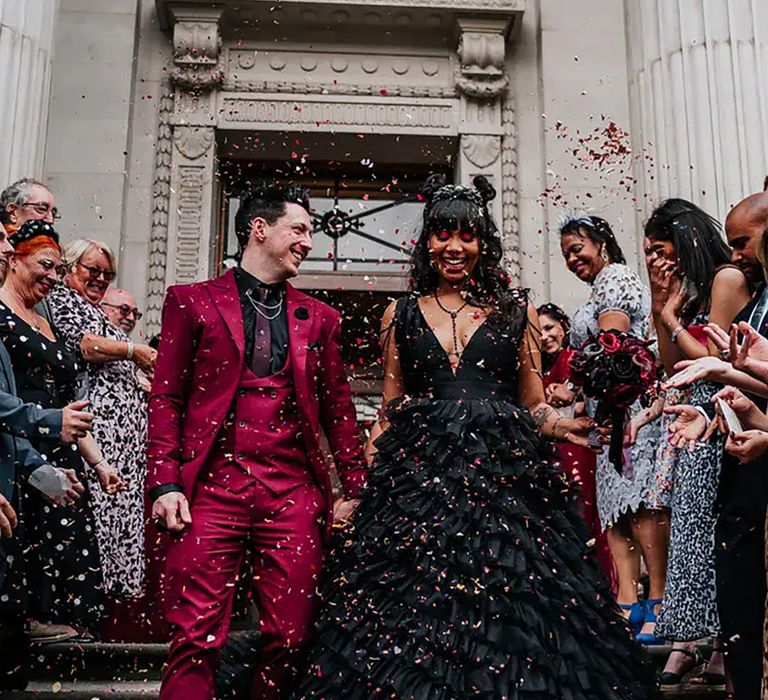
column 650, row 616
column 636, row 618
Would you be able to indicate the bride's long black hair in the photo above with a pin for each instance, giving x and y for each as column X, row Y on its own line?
column 455, row 207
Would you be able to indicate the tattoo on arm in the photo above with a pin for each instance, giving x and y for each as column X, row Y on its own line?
column 540, row 416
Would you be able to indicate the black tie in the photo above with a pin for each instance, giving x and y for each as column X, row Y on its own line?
column 262, row 342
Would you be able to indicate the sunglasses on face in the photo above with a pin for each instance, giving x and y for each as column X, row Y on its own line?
column 96, row 272
column 43, row 209
column 125, row 310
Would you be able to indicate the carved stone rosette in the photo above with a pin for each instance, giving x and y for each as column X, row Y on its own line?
column 196, row 48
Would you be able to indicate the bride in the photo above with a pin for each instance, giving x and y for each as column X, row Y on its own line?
column 465, row 571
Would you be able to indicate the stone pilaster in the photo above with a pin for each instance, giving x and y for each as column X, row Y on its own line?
column 699, row 96
column 196, row 77
column 487, row 133
column 26, row 41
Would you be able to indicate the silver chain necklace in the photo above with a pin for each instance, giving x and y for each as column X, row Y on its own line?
column 260, row 307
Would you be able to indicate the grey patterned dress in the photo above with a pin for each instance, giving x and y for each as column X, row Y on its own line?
column 617, row 288
column 120, row 429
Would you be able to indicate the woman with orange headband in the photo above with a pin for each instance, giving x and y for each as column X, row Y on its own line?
column 64, row 582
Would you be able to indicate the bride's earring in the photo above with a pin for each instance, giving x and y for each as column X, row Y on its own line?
column 604, row 253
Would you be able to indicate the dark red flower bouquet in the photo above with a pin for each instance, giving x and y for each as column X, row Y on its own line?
column 615, row 369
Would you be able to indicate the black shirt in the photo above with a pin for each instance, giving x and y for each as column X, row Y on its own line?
column 278, row 325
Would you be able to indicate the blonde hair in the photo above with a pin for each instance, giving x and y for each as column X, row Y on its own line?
column 74, row 250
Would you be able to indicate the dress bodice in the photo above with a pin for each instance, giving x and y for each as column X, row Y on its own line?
column 616, row 288
column 45, row 370
column 488, row 365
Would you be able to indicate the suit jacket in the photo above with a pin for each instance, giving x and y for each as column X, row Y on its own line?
column 199, row 365
column 18, row 421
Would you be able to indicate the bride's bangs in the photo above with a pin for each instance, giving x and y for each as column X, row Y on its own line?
column 456, row 215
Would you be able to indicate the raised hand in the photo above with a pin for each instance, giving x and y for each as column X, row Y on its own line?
column 75, row 421
column 742, row 405
column 559, row 395
column 660, row 274
column 688, row 427
column 752, row 355
column 688, row 371
column 747, row 446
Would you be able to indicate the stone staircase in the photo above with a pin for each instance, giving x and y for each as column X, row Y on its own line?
column 104, row 671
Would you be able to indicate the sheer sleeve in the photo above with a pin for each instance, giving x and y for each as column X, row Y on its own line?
column 619, row 289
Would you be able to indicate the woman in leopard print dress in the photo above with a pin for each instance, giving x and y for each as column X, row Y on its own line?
column 118, row 401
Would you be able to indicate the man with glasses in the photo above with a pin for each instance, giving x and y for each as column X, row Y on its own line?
column 24, row 200
column 119, row 306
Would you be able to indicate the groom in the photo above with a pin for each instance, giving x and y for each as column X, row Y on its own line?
column 248, row 371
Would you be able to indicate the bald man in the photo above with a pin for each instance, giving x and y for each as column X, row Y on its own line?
column 120, row 308
column 743, row 490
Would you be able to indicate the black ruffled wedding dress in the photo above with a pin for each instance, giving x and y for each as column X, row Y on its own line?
column 466, row 573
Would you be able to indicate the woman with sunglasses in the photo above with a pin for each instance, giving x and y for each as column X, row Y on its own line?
column 117, row 399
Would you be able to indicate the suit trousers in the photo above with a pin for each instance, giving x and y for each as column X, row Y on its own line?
column 285, row 533
column 740, row 571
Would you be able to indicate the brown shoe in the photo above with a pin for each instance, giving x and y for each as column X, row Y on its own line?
column 40, row 633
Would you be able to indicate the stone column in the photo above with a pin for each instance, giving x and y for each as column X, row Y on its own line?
column 699, row 96
column 487, row 134
column 196, row 76
column 26, row 40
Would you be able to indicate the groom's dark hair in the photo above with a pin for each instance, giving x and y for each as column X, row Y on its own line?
column 266, row 200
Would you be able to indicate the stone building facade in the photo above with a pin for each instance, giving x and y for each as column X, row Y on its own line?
column 146, row 117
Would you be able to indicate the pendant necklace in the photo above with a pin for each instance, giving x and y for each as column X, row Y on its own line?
column 262, row 309
column 454, row 315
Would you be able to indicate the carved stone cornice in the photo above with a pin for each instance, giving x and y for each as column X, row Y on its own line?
column 482, row 53
column 196, row 47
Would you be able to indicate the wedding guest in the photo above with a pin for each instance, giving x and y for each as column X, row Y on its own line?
column 696, row 284
column 578, row 462
column 119, row 402
column 64, row 574
column 19, row 461
column 120, row 308
column 631, row 510
column 743, row 490
column 26, row 200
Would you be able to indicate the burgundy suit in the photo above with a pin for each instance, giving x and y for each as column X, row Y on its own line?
column 245, row 451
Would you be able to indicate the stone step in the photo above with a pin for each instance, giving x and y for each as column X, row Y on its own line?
column 88, row 690
column 98, row 661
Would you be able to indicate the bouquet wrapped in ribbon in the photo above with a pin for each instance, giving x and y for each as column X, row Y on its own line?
column 615, row 369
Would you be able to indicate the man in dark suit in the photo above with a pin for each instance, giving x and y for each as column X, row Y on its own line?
column 19, row 461
column 743, row 491
column 249, row 371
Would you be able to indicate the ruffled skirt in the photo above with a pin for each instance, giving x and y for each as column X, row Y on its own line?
column 466, row 573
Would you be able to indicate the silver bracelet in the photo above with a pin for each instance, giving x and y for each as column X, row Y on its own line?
column 129, row 352
column 678, row 330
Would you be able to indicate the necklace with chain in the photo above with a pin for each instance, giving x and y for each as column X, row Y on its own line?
column 453, row 314
column 23, row 315
column 264, row 309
